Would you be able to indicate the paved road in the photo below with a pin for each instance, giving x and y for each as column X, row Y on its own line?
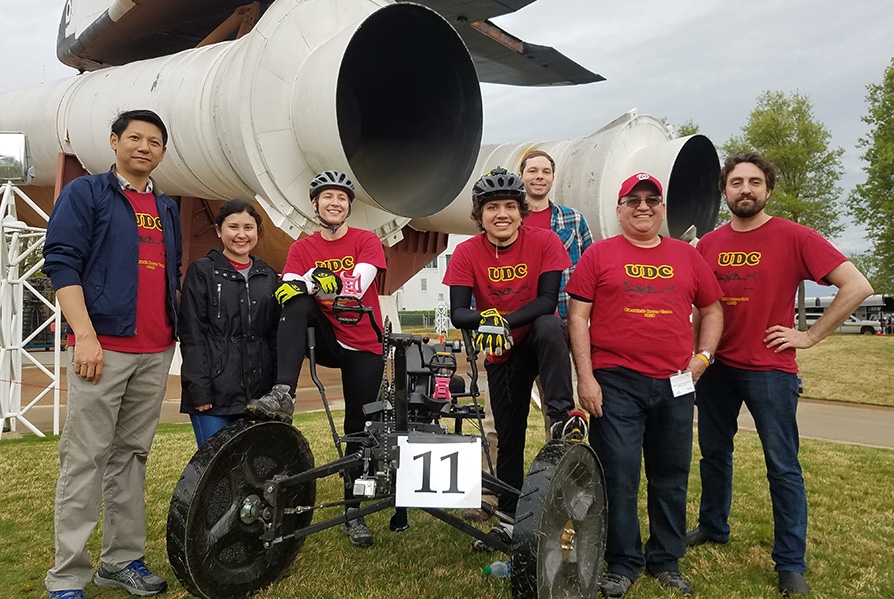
column 830, row 421
column 307, row 399
column 843, row 423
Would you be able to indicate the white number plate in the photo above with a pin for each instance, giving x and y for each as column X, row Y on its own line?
column 439, row 471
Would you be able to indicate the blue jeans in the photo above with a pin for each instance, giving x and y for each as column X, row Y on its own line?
column 206, row 425
column 641, row 417
column 772, row 399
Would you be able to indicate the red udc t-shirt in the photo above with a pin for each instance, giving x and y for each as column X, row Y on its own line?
column 642, row 300
column 506, row 279
column 539, row 220
column 154, row 332
column 760, row 271
column 340, row 256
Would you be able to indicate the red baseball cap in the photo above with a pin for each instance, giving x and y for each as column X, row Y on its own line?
column 632, row 182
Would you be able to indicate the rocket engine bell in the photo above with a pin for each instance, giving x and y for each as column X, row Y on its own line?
column 589, row 172
column 385, row 92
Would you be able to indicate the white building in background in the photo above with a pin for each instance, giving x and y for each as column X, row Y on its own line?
column 425, row 290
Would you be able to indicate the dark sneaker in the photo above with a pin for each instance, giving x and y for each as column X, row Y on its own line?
column 573, row 428
column 792, row 583
column 697, row 536
column 674, row 580
column 501, row 532
column 70, row 594
column 615, row 585
column 277, row 404
column 356, row 530
column 136, row 579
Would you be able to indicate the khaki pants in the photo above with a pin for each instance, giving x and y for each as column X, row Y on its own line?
column 102, row 462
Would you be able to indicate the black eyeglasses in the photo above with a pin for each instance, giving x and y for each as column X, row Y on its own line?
column 634, row 202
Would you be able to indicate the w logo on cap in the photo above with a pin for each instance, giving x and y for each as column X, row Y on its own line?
column 634, row 180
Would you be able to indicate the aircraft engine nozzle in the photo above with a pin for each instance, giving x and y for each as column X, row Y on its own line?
column 688, row 169
column 385, row 92
column 407, row 109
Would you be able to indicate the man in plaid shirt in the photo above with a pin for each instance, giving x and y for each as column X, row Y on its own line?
column 537, row 171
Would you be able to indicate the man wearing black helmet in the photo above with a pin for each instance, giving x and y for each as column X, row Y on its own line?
column 337, row 260
column 513, row 272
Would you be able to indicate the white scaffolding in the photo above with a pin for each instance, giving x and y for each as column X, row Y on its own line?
column 19, row 242
column 442, row 319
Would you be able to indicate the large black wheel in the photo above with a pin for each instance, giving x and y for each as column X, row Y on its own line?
column 217, row 511
column 558, row 545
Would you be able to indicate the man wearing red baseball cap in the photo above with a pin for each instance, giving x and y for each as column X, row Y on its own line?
column 632, row 296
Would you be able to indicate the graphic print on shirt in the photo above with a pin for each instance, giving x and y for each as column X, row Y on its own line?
column 496, row 293
column 646, row 286
column 633, row 293
column 506, row 281
column 150, row 233
column 737, row 275
column 337, row 265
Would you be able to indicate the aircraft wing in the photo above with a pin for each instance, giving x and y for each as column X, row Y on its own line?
column 98, row 33
column 502, row 58
column 472, row 10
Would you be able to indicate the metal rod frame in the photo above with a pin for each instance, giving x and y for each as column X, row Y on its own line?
column 19, row 242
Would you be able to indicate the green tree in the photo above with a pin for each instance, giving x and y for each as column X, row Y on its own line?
column 784, row 130
column 687, row 128
column 872, row 203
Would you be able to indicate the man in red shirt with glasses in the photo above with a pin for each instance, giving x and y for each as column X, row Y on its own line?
column 629, row 317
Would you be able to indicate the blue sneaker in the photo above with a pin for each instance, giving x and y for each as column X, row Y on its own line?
column 70, row 594
column 136, row 579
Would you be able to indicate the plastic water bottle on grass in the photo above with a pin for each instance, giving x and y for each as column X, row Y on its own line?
column 498, row 569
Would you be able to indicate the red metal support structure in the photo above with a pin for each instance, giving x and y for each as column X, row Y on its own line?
column 409, row 256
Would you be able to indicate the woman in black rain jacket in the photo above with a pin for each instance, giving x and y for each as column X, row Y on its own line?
column 228, row 321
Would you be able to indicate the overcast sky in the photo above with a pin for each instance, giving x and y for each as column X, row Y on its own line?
column 700, row 60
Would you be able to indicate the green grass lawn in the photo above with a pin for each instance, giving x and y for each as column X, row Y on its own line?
column 850, row 544
column 849, row 368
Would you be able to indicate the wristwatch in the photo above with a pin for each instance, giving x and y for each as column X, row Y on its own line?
column 708, row 355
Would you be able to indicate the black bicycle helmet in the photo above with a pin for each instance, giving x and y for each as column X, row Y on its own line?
column 335, row 179
column 498, row 184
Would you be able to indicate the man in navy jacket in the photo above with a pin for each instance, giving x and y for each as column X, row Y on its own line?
column 113, row 252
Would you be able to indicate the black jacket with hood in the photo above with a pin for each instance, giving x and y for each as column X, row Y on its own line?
column 227, row 335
